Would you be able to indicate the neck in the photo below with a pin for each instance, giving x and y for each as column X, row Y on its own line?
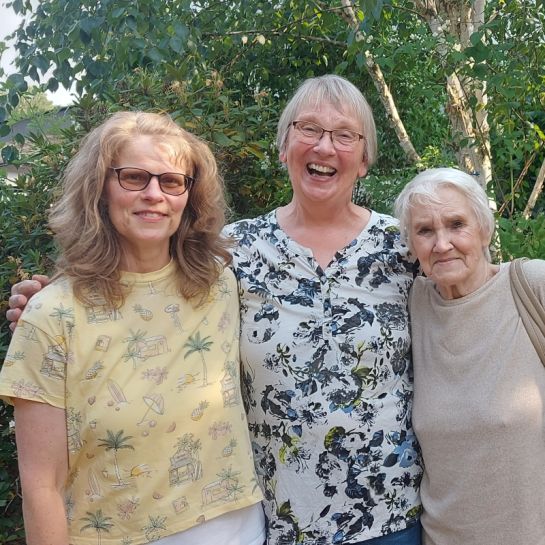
column 144, row 262
column 297, row 215
column 456, row 291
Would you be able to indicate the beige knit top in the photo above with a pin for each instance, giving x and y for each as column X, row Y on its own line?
column 479, row 414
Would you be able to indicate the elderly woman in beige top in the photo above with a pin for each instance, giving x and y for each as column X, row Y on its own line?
column 479, row 391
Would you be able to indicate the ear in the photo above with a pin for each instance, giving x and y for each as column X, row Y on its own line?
column 362, row 169
column 283, row 156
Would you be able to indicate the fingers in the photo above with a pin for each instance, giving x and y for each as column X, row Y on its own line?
column 17, row 304
column 13, row 316
column 20, row 294
column 27, row 288
column 41, row 278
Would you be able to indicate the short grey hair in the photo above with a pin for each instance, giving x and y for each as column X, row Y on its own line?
column 422, row 190
column 340, row 93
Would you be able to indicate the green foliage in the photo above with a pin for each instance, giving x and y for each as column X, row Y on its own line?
column 521, row 237
column 31, row 105
column 25, row 248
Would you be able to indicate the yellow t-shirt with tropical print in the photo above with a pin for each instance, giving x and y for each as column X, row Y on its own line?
column 156, row 429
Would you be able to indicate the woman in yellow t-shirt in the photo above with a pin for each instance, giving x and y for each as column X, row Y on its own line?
column 130, row 428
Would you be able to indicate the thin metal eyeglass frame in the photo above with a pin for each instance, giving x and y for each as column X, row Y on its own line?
column 330, row 131
column 189, row 180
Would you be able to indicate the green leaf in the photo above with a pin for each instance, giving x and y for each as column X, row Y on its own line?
column 222, row 139
column 3, row 114
column 41, row 63
column 4, row 130
column 118, row 12
column 475, row 38
column 181, row 30
column 90, row 23
column 13, row 97
column 18, row 81
column 480, row 71
column 52, row 85
column 479, row 52
column 20, row 139
column 155, row 55
column 84, row 37
column 9, row 154
column 360, row 60
column 17, row 6
column 176, row 44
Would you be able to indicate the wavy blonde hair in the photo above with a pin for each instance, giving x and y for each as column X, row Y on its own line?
column 90, row 248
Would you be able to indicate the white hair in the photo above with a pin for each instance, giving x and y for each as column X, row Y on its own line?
column 422, row 190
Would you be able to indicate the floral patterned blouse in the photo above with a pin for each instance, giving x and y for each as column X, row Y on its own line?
column 327, row 382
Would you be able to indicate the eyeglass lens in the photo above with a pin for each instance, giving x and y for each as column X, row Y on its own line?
column 312, row 133
column 137, row 179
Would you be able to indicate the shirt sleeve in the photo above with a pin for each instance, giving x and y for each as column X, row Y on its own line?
column 35, row 364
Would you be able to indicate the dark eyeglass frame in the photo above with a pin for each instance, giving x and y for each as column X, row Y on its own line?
column 189, row 180
column 333, row 132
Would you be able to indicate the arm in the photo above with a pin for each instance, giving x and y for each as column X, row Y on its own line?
column 42, row 448
column 20, row 294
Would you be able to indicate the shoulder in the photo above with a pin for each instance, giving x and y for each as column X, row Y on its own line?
column 421, row 286
column 534, row 269
column 386, row 228
column 58, row 294
column 227, row 277
column 241, row 229
column 385, row 220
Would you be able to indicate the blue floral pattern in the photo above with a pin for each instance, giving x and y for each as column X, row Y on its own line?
column 327, row 382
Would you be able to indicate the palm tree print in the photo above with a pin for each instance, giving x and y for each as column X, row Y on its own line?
column 133, row 347
column 116, row 442
column 62, row 313
column 98, row 522
column 152, row 529
column 196, row 344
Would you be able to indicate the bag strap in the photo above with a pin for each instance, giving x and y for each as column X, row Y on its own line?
column 529, row 306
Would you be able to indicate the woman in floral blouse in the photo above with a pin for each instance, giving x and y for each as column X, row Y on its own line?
column 325, row 345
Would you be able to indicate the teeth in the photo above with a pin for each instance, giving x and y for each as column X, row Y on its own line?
column 321, row 168
column 150, row 214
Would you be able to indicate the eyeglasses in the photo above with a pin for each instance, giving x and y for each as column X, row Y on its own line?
column 310, row 133
column 137, row 179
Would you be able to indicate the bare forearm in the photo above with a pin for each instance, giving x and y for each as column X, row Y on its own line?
column 40, row 431
column 45, row 518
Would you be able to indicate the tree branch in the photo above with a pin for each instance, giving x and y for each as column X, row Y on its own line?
column 536, row 191
column 374, row 70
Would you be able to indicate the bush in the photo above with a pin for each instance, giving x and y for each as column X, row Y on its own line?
column 521, row 237
column 26, row 248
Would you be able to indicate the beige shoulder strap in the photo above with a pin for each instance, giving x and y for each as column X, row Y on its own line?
column 529, row 307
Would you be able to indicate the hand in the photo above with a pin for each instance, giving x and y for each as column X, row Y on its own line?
column 20, row 294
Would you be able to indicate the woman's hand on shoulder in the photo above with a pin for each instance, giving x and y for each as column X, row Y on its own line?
column 20, row 294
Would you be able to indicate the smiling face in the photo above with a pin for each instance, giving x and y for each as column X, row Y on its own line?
column 319, row 173
column 448, row 241
column 145, row 220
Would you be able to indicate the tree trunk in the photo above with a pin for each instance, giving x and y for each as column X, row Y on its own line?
column 538, row 188
column 471, row 132
column 381, row 86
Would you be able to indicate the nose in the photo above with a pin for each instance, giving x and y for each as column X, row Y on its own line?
column 442, row 241
column 153, row 190
column 325, row 144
